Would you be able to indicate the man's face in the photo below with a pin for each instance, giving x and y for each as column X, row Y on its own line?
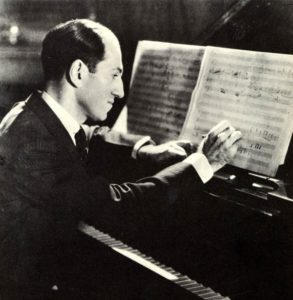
column 100, row 88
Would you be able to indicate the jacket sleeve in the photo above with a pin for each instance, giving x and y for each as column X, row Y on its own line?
column 111, row 205
column 114, row 161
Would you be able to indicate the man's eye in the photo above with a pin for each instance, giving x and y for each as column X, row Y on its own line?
column 115, row 75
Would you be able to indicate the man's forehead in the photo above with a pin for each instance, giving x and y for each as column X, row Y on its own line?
column 113, row 54
column 112, row 61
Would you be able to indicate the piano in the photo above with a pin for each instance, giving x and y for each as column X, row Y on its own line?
column 195, row 290
column 234, row 241
column 236, row 237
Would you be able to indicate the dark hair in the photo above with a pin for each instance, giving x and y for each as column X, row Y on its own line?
column 75, row 39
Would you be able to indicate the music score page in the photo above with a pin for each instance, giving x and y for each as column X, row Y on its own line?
column 252, row 90
column 163, row 78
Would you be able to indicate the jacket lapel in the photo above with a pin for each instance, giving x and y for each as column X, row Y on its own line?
column 52, row 123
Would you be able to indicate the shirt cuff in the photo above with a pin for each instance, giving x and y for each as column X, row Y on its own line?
column 142, row 142
column 201, row 166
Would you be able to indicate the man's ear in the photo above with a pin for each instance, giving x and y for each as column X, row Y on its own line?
column 77, row 72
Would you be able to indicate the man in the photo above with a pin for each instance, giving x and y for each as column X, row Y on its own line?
column 46, row 188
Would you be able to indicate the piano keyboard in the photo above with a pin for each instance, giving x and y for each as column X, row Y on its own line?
column 183, row 281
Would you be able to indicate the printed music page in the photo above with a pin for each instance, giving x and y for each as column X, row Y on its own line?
column 163, row 78
column 252, row 90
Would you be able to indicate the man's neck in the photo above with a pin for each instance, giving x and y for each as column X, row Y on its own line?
column 65, row 96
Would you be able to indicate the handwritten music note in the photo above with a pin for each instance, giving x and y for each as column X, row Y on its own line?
column 252, row 90
column 163, row 78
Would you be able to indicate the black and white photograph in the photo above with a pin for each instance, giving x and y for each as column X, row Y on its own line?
column 146, row 150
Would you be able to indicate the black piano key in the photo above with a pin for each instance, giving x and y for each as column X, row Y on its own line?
column 191, row 284
column 215, row 297
column 205, row 291
column 115, row 244
column 208, row 295
column 197, row 289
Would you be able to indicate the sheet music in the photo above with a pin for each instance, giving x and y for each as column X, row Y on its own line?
column 163, row 78
column 252, row 90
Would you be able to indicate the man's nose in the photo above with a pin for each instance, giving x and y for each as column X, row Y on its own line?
column 118, row 90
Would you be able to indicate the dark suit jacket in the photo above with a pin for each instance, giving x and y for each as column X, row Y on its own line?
column 45, row 190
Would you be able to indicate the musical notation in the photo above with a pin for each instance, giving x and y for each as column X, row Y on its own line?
column 163, row 79
column 253, row 91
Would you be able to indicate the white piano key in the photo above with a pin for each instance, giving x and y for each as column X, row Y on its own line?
column 146, row 264
column 217, row 297
column 212, row 296
column 209, row 295
column 169, row 269
column 183, row 279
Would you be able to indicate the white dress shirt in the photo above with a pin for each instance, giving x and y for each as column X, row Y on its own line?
column 70, row 124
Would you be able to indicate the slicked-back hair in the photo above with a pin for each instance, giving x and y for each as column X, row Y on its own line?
column 75, row 39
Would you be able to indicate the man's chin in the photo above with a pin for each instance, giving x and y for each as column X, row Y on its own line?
column 99, row 117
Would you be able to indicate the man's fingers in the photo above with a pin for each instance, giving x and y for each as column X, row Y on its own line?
column 230, row 146
column 220, row 146
column 223, row 137
column 213, row 134
column 220, row 127
column 225, row 140
column 234, row 138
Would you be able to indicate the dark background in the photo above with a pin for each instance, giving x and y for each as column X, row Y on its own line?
column 234, row 247
column 243, row 24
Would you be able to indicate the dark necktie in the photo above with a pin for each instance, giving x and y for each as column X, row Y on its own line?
column 81, row 144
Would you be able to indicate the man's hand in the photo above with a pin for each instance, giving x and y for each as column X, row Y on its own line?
column 166, row 153
column 220, row 145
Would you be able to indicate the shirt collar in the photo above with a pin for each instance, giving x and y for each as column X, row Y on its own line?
column 70, row 124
